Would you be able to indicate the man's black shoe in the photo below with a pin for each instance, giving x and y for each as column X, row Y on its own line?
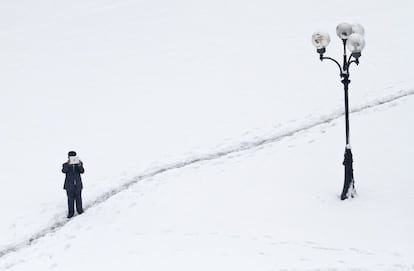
column 70, row 215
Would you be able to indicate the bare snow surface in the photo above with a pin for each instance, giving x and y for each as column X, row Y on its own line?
column 212, row 136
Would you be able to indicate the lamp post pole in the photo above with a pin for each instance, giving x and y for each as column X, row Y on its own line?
column 352, row 38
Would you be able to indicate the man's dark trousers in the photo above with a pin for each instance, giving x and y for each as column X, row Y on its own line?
column 74, row 195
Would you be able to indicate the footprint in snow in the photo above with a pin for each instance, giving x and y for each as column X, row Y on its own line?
column 361, row 252
column 192, row 234
column 233, row 236
column 69, row 237
column 327, row 248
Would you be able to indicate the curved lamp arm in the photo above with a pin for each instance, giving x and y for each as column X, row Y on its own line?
column 356, row 61
column 337, row 63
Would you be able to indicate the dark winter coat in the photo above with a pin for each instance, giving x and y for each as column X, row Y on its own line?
column 73, row 180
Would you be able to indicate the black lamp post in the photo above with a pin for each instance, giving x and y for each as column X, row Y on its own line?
column 352, row 37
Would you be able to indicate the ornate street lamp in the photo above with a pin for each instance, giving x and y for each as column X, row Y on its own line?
column 352, row 37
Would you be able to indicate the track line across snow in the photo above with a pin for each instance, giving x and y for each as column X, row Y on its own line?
column 240, row 147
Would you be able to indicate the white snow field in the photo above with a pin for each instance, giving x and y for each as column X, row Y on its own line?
column 211, row 134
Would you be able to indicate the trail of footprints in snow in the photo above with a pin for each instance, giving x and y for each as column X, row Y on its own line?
column 267, row 243
column 268, row 239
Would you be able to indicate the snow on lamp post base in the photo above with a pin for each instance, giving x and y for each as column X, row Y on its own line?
column 352, row 37
column 349, row 186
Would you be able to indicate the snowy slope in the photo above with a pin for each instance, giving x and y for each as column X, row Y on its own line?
column 139, row 88
column 274, row 207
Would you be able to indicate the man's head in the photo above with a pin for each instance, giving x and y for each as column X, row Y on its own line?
column 71, row 153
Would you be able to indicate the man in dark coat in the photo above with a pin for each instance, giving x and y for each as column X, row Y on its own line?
column 73, row 169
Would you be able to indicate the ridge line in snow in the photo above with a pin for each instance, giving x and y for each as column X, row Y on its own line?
column 243, row 146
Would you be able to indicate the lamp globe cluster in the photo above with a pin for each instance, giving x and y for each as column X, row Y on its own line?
column 351, row 34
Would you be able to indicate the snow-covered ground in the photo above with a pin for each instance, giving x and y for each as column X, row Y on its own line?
column 212, row 136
